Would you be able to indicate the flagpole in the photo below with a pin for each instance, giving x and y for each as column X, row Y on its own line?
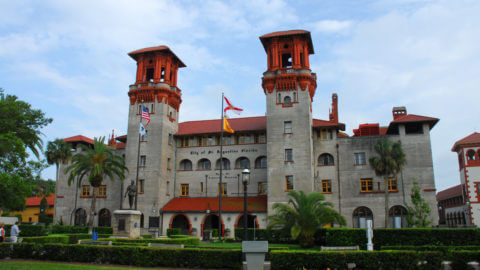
column 138, row 155
column 220, row 193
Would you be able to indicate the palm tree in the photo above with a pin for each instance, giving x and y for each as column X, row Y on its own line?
column 58, row 151
column 96, row 163
column 389, row 163
column 304, row 215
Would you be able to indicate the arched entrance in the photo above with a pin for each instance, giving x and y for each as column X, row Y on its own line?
column 80, row 217
column 360, row 217
column 211, row 222
column 251, row 221
column 104, row 218
column 397, row 217
column 181, row 222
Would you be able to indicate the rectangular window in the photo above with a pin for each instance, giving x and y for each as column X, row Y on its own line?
column 326, row 186
column 360, row 158
column 288, row 182
column 85, row 191
column 201, row 187
column 143, row 161
column 185, row 189
column 224, row 188
column 262, row 188
column 102, row 191
column 288, row 155
column 242, row 139
column 169, row 165
column 392, row 184
column 211, row 140
column 325, row 134
column 366, row 185
column 141, row 185
column 260, row 138
column 185, row 142
column 191, row 141
column 287, row 127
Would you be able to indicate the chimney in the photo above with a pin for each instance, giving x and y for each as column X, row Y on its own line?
column 399, row 112
column 334, row 112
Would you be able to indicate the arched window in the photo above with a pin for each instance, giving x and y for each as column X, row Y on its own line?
column 204, row 164
column 287, row 101
column 397, row 217
column 242, row 163
column 104, row 218
column 471, row 154
column 225, row 164
column 80, row 217
column 261, row 162
column 185, row 165
column 360, row 217
column 325, row 159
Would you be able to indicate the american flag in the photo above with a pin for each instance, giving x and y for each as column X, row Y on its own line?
column 145, row 114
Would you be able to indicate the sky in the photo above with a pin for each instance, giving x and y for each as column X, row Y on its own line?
column 69, row 59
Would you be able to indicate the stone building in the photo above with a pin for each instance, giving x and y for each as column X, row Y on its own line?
column 179, row 162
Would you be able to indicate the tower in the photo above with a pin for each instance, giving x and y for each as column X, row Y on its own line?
column 155, row 88
column 289, row 87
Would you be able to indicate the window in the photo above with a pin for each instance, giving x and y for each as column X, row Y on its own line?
column 224, row 188
column 225, row 164
column 366, row 185
column 360, row 158
column 185, row 141
column 228, row 140
column 242, row 163
column 143, row 161
column 201, row 187
column 102, row 191
column 262, row 188
column 470, row 155
column 85, row 191
column 289, row 155
column 287, row 101
column 324, row 134
column 288, row 183
column 260, row 138
column 326, row 186
column 392, row 184
column 325, row 159
column 185, row 165
column 141, row 186
column 294, row 97
column 243, row 139
column 149, row 75
column 287, row 127
column 184, row 188
column 169, row 161
column 144, row 138
column 204, row 164
column 286, row 60
column 261, row 162
column 279, row 98
column 360, row 217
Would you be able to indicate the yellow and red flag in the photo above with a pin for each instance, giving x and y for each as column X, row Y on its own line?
column 226, row 125
column 231, row 107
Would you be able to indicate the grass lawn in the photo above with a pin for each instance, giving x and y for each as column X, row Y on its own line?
column 41, row 265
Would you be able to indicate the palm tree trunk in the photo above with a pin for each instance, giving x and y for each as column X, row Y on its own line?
column 92, row 210
column 385, row 188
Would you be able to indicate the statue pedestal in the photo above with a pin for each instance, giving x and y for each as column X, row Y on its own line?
column 126, row 223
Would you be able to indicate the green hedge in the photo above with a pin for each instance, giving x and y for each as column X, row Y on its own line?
column 191, row 241
column 460, row 259
column 270, row 235
column 363, row 259
column 60, row 229
column 137, row 256
column 443, row 249
column 27, row 230
column 173, row 231
column 60, row 239
column 73, row 238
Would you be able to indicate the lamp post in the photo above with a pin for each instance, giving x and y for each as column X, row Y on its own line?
column 245, row 180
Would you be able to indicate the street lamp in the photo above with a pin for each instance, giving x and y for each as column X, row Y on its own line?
column 245, row 181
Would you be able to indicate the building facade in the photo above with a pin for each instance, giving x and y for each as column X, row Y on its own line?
column 287, row 149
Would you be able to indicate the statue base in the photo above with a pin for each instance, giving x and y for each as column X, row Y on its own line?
column 126, row 223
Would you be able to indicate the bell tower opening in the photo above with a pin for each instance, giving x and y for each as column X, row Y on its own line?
column 150, row 72
column 286, row 60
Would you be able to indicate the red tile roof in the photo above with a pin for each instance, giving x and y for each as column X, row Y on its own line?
column 239, row 124
column 265, row 37
column 154, row 49
column 202, row 204
column 454, row 191
column 383, row 130
column 35, row 201
column 79, row 138
column 470, row 140
column 409, row 118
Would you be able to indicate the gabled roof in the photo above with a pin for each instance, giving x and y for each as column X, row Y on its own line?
column 79, row 138
column 451, row 192
column 134, row 54
column 265, row 37
column 202, row 204
column 35, row 201
column 323, row 123
column 470, row 140
column 413, row 118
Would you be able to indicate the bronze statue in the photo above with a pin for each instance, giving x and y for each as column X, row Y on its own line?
column 131, row 191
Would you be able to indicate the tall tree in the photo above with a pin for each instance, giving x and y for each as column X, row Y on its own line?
column 304, row 215
column 418, row 215
column 389, row 163
column 96, row 164
column 58, row 151
column 20, row 127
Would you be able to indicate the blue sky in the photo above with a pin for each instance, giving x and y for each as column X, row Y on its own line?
column 69, row 59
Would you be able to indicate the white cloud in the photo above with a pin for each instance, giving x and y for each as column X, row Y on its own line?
column 330, row 26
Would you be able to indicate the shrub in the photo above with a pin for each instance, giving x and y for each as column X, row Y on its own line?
column 342, row 237
column 173, row 231
column 460, row 259
column 68, row 229
column 192, row 241
column 270, row 235
column 362, row 259
column 73, row 238
column 62, row 239
column 146, row 236
column 27, row 230
column 138, row 256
